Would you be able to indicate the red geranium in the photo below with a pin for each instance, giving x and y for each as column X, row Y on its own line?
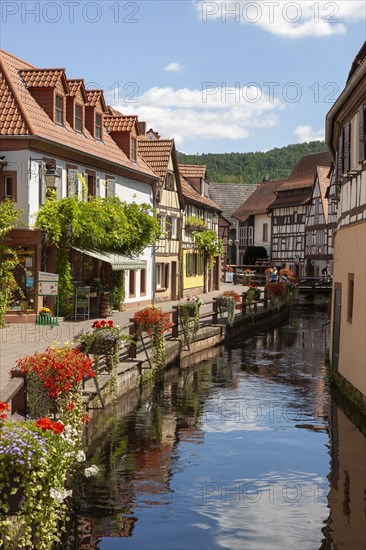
column 233, row 294
column 48, row 424
column 152, row 320
column 4, row 407
column 59, row 369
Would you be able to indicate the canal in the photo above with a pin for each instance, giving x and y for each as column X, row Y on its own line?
column 245, row 450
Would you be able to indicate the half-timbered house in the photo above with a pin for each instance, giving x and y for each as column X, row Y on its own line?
column 318, row 254
column 288, row 212
column 160, row 155
column 254, row 221
column 346, row 139
column 227, row 196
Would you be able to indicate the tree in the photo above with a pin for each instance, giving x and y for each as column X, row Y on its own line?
column 105, row 224
column 9, row 217
column 211, row 244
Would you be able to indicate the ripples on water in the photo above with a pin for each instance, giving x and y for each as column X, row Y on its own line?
column 232, row 454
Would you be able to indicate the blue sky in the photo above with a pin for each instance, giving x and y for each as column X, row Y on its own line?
column 217, row 76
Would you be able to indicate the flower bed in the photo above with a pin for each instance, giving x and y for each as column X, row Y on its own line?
column 38, row 463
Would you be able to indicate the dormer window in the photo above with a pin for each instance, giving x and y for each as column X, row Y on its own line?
column 98, row 127
column 78, row 118
column 59, row 110
column 133, row 149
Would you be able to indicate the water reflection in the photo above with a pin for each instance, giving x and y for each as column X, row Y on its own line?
column 233, row 453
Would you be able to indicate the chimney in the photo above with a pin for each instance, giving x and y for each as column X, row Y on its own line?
column 265, row 179
column 142, row 128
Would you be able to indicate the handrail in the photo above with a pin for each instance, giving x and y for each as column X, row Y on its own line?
column 243, row 308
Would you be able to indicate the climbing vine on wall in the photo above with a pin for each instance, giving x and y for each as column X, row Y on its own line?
column 106, row 224
column 210, row 242
column 9, row 217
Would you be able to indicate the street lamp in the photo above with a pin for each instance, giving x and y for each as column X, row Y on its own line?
column 51, row 177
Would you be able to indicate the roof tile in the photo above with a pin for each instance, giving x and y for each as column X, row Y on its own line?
column 41, row 78
column 156, row 153
column 193, row 170
column 19, row 110
column 115, row 123
column 191, row 195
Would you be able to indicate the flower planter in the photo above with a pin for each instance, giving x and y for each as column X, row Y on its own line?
column 46, row 319
column 14, row 501
column 99, row 347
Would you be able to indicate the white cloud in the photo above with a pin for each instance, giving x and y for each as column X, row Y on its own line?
column 286, row 19
column 173, row 68
column 307, row 133
column 213, row 113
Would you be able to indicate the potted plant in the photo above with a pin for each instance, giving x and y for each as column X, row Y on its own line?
column 253, row 294
column 189, row 311
column 227, row 302
column 154, row 322
column 277, row 292
column 54, row 380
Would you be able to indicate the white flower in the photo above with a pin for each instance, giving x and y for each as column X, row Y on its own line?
column 61, row 495
column 91, row 471
column 80, row 456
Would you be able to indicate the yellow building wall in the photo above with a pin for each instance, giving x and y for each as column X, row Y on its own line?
column 350, row 257
column 191, row 282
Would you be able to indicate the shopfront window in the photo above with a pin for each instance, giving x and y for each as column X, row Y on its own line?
column 24, row 298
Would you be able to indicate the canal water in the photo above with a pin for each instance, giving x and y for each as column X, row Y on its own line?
column 246, row 450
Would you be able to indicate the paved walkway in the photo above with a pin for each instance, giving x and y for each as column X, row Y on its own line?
column 18, row 340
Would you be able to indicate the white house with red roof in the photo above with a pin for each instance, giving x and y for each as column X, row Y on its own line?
column 56, row 134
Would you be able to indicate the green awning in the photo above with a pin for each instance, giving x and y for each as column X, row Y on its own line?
column 117, row 261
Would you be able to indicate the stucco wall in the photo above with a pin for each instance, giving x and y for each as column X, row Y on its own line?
column 350, row 257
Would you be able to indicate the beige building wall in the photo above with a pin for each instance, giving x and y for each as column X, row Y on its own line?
column 350, row 258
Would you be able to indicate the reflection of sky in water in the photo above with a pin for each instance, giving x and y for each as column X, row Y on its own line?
column 251, row 471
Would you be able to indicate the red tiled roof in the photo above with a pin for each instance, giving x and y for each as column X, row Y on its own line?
column 260, row 200
column 93, row 96
column 191, row 195
column 12, row 119
column 121, row 123
column 42, row 78
column 156, row 153
column 193, row 170
column 283, row 200
column 324, row 182
column 21, row 115
column 74, row 85
column 304, row 172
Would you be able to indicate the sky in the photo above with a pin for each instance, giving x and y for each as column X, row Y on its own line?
column 217, row 76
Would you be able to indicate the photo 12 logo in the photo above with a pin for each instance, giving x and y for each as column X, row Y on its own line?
column 253, row 92
column 71, row 12
column 270, row 12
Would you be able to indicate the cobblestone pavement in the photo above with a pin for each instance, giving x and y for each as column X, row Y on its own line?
column 19, row 339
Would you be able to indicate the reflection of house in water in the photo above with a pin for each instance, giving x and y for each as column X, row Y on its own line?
column 346, row 500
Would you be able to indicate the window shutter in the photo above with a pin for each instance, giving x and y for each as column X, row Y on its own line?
column 347, row 149
column 72, row 183
column 42, row 183
column 166, row 276
column 110, row 188
column 340, row 155
column 361, row 133
column 169, row 227
column 187, row 265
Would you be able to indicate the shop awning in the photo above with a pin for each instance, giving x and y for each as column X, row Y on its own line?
column 117, row 261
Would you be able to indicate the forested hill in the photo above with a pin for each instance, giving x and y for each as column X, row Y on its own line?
column 253, row 167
